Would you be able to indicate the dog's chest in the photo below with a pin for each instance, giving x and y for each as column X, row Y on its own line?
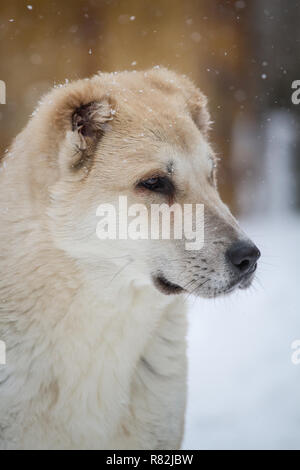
column 95, row 375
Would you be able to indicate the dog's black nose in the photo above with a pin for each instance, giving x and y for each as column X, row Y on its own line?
column 243, row 256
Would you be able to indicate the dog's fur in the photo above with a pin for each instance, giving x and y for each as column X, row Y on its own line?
column 95, row 349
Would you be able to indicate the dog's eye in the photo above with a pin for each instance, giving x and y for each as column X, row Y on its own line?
column 158, row 184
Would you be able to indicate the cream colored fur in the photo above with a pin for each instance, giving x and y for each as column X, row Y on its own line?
column 96, row 354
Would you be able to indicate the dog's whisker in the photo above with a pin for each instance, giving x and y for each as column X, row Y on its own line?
column 120, row 270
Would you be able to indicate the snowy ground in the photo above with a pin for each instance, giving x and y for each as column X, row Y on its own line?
column 244, row 391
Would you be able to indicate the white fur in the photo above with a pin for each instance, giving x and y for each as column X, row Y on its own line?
column 109, row 373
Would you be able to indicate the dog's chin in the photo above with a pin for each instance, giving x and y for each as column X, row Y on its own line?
column 233, row 286
column 166, row 287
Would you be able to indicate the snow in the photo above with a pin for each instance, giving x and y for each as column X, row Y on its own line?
column 244, row 389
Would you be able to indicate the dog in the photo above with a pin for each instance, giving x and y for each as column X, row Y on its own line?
column 95, row 330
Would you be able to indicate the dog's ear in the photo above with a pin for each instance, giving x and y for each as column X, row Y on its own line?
column 195, row 101
column 89, row 119
column 197, row 105
column 89, row 122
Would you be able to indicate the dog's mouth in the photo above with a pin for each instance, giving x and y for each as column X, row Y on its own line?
column 169, row 288
column 165, row 286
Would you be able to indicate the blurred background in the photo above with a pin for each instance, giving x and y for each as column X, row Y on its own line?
column 244, row 391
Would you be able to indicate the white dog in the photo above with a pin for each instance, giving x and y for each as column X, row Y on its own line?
column 96, row 349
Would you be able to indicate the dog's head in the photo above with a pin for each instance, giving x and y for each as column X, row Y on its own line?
column 142, row 136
